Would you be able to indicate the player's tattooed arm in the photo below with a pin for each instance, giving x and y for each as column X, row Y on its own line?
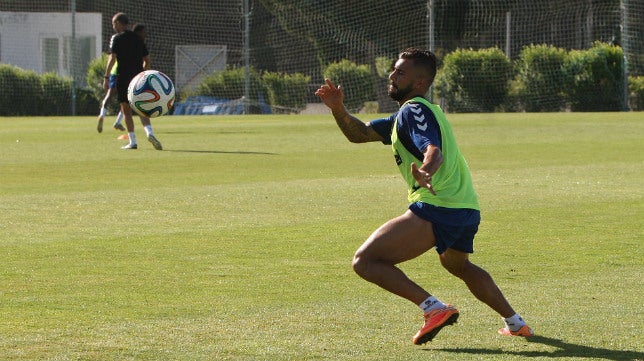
column 354, row 129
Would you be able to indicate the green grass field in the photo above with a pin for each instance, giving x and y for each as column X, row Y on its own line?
column 235, row 242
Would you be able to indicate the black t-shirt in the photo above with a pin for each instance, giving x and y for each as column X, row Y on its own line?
column 129, row 49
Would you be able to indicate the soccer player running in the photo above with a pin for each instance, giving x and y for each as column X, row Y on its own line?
column 443, row 211
column 108, row 95
column 129, row 50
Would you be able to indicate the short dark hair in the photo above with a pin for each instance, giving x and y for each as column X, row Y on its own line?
column 122, row 18
column 422, row 58
column 138, row 28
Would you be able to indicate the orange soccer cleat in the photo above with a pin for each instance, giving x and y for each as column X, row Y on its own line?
column 524, row 331
column 434, row 321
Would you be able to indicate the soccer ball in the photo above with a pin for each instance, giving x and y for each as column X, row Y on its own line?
column 151, row 93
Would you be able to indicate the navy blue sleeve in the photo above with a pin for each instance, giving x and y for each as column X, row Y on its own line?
column 383, row 127
column 419, row 127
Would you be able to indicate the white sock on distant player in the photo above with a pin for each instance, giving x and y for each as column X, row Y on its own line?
column 132, row 137
column 514, row 323
column 431, row 303
column 148, row 130
column 102, row 113
column 119, row 118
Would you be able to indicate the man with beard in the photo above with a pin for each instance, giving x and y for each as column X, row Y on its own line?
column 443, row 211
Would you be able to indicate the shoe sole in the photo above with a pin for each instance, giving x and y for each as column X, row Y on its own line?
column 99, row 127
column 157, row 145
column 431, row 334
column 505, row 332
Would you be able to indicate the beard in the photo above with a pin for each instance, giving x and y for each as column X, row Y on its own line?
column 398, row 94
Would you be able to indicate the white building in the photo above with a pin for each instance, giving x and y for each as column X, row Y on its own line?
column 42, row 42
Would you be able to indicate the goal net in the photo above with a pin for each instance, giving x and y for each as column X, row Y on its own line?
column 270, row 55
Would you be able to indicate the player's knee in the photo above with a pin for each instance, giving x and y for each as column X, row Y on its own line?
column 356, row 264
column 456, row 268
column 456, row 271
column 360, row 265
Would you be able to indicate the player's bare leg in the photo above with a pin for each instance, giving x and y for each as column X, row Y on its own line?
column 129, row 125
column 400, row 239
column 483, row 287
column 117, row 124
column 147, row 126
column 103, row 111
column 477, row 280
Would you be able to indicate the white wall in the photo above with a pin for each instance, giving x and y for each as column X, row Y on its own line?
column 22, row 34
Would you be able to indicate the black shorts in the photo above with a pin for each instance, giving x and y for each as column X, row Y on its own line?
column 122, row 83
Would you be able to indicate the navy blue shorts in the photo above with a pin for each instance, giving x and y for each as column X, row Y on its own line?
column 112, row 81
column 453, row 228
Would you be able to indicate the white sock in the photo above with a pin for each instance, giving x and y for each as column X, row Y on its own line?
column 514, row 322
column 132, row 137
column 119, row 118
column 103, row 112
column 148, row 130
column 431, row 303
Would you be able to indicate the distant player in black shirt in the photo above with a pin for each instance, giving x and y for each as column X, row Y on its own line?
column 129, row 50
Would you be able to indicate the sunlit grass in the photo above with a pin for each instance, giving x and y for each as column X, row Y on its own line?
column 234, row 243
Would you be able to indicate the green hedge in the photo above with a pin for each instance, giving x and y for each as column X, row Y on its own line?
column 22, row 92
column 474, row 80
column 230, row 84
column 286, row 92
column 358, row 81
column 636, row 92
column 547, row 79
column 595, row 78
column 539, row 85
column 60, row 104
column 8, row 80
column 27, row 93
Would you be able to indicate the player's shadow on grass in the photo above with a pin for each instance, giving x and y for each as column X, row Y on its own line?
column 218, row 151
column 564, row 349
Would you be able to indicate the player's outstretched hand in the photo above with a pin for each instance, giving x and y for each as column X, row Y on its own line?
column 423, row 178
column 331, row 96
